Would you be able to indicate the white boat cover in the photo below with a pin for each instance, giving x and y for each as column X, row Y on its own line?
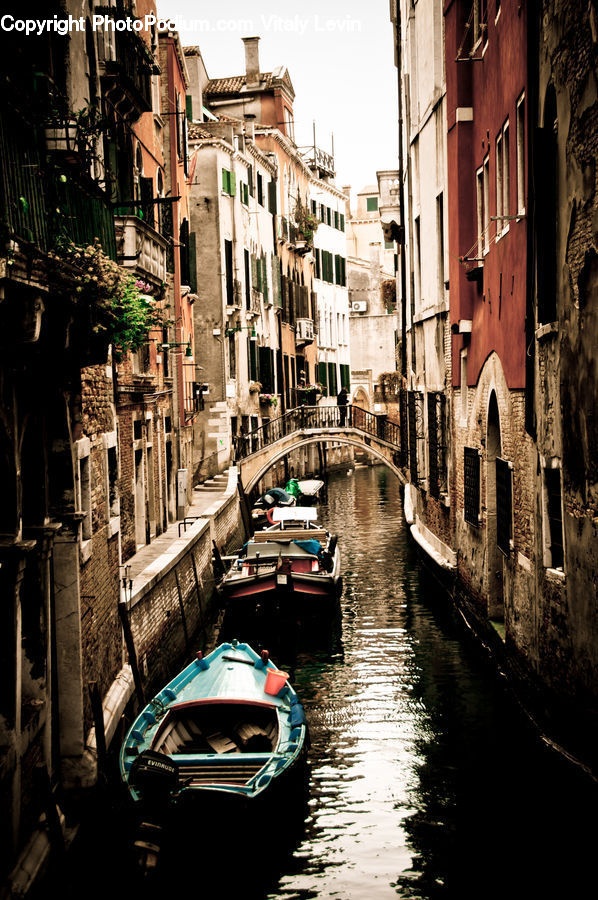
column 294, row 514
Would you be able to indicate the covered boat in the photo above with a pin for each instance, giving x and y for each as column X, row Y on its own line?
column 229, row 725
column 294, row 564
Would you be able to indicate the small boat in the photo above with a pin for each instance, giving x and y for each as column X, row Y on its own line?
column 292, row 564
column 229, row 725
column 310, row 488
column 272, row 498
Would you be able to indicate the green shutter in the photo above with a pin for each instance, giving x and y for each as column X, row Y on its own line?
column 233, row 184
column 189, row 106
column 253, row 271
column 342, row 222
column 372, row 204
column 276, row 293
column 225, row 174
column 265, row 278
column 345, row 376
column 337, row 269
column 323, row 378
column 336, row 218
column 318, row 263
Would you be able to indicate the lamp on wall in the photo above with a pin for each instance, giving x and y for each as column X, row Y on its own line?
column 186, row 344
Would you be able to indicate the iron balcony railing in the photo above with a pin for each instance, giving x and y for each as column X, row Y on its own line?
column 318, row 417
column 42, row 205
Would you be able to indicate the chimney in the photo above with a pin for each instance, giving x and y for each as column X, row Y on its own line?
column 252, row 61
column 346, row 189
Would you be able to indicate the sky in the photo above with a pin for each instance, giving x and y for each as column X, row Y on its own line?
column 340, row 59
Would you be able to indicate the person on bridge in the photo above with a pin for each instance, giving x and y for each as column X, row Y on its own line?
column 342, row 399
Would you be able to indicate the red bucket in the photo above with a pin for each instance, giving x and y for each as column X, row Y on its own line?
column 275, row 681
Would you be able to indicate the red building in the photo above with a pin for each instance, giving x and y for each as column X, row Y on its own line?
column 486, row 74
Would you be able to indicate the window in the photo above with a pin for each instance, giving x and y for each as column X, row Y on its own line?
column 480, row 209
column 504, row 504
column 85, row 496
column 480, row 21
column 389, row 245
column 332, row 382
column 554, row 556
column 260, row 189
column 521, row 155
column 418, row 262
column 228, row 182
column 342, row 222
column 246, row 263
column 372, row 204
column 415, row 418
column 244, row 193
column 228, row 262
column 336, row 218
column 323, row 378
column 499, row 188
column 440, row 232
column 328, row 216
column 345, row 376
column 471, row 484
column 436, row 441
column 506, row 206
column 252, row 359
column 464, row 385
column 486, row 205
column 110, row 441
column 232, row 357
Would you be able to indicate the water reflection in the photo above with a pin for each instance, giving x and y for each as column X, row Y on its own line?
column 426, row 782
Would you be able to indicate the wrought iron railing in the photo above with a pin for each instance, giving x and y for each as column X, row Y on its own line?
column 318, row 417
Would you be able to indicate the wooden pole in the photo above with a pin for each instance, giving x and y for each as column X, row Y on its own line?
column 217, row 563
column 98, row 721
column 245, row 511
column 197, row 588
column 182, row 606
column 43, row 790
column 128, row 634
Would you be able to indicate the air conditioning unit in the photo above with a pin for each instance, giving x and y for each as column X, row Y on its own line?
column 304, row 330
column 358, row 306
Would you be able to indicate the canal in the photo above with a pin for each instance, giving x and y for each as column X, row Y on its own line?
column 426, row 780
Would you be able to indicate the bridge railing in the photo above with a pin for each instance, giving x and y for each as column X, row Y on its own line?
column 318, row 417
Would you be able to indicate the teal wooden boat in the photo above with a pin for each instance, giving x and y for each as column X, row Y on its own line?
column 228, row 725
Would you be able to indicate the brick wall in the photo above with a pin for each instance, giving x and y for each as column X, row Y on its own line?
column 156, row 616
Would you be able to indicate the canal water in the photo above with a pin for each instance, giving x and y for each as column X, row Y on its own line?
column 426, row 780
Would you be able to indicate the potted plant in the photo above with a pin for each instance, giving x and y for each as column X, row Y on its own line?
column 269, row 399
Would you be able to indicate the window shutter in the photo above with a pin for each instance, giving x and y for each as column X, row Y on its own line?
column 189, row 107
column 337, row 269
column 225, row 175
column 322, row 378
column 252, row 359
column 264, row 278
column 272, row 197
column 232, row 184
column 192, row 263
column 313, row 207
column 250, row 178
column 342, row 222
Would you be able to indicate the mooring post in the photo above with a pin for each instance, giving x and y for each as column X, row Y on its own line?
column 217, row 563
column 98, row 721
column 182, row 607
column 130, row 644
column 43, row 790
column 245, row 511
column 197, row 588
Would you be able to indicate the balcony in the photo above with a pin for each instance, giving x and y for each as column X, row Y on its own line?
column 126, row 73
column 304, row 332
column 140, row 248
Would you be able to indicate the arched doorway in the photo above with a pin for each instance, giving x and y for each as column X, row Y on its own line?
column 494, row 558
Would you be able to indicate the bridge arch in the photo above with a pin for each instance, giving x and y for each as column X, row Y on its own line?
column 304, row 441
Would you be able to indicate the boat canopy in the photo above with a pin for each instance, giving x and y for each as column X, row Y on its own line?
column 273, row 549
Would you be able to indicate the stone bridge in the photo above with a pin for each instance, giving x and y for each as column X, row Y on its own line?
column 260, row 449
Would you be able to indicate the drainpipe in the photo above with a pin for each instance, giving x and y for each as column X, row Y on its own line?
column 402, row 203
